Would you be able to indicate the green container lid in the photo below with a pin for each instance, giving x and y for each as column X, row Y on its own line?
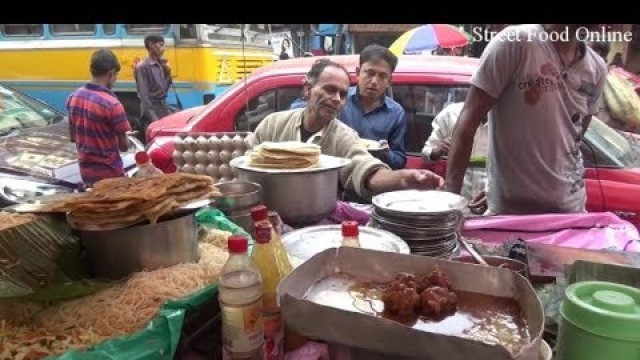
column 607, row 309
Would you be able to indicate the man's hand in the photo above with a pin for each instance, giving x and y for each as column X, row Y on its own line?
column 479, row 204
column 420, row 179
column 441, row 150
column 384, row 145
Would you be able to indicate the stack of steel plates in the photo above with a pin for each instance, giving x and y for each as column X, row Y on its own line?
column 429, row 221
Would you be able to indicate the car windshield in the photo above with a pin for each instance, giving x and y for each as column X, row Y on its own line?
column 18, row 111
column 623, row 148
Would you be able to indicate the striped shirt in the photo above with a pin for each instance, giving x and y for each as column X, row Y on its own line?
column 97, row 116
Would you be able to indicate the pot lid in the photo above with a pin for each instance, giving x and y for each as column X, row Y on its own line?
column 326, row 162
column 604, row 308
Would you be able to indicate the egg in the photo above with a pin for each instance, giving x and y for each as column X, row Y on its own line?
column 178, row 143
column 248, row 142
column 189, row 143
column 225, row 170
column 215, row 143
column 212, row 170
column 225, row 157
column 203, row 143
column 237, row 142
column 236, row 153
column 189, row 157
column 200, row 169
column 226, row 143
column 188, row 168
column 201, row 157
column 213, row 156
column 177, row 158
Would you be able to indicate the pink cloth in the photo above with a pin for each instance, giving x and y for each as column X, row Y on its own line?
column 587, row 231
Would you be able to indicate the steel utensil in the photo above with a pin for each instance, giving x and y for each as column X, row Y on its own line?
column 477, row 257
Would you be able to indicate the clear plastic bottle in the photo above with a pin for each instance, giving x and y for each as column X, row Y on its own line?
column 145, row 166
column 350, row 234
column 264, row 258
column 240, row 297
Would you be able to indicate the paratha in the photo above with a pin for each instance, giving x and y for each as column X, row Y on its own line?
column 127, row 201
column 285, row 155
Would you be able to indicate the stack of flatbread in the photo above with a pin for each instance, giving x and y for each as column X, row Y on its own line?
column 285, row 155
column 121, row 202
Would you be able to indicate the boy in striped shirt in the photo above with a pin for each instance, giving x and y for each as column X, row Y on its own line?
column 97, row 121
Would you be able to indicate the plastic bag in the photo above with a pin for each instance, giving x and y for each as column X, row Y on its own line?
column 621, row 99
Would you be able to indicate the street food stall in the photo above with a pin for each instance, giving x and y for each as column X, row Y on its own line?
column 130, row 269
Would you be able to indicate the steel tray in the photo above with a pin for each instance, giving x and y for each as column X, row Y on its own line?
column 346, row 324
column 304, row 243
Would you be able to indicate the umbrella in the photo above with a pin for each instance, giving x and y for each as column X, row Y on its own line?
column 429, row 37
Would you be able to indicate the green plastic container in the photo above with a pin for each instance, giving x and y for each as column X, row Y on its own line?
column 600, row 320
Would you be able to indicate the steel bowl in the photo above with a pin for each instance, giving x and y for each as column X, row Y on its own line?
column 238, row 194
column 300, row 196
column 113, row 254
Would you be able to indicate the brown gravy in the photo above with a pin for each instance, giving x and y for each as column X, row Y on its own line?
column 486, row 318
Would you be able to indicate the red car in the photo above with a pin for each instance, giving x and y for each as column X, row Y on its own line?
column 423, row 85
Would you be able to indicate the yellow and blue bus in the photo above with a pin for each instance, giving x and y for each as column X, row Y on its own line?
column 49, row 61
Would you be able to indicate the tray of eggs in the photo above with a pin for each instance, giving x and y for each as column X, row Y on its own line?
column 210, row 153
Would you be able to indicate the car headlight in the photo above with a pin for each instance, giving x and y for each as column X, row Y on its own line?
column 18, row 191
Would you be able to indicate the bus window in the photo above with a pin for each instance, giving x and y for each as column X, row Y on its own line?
column 109, row 29
column 188, row 31
column 73, row 29
column 22, row 29
column 146, row 29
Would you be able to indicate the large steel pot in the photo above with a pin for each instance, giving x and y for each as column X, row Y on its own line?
column 113, row 254
column 299, row 196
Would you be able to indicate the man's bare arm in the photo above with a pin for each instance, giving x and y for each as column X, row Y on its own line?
column 123, row 142
column 477, row 105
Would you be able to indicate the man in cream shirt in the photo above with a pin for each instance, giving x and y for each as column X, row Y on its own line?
column 437, row 147
column 326, row 88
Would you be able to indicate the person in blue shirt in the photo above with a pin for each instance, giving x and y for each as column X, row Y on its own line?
column 369, row 111
column 373, row 114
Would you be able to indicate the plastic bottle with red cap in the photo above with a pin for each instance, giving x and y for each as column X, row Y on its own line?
column 260, row 215
column 261, row 221
column 145, row 166
column 350, row 233
column 240, row 296
column 264, row 257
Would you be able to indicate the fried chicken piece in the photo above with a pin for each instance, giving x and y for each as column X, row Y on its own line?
column 406, row 279
column 400, row 299
column 437, row 302
column 436, row 277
